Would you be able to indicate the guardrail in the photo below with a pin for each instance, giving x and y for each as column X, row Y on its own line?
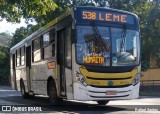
column 150, row 87
column 150, row 82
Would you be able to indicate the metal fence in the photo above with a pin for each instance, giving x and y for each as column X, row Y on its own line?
column 150, row 87
column 150, row 82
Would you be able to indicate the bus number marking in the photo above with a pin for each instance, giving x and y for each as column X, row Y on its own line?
column 89, row 15
column 104, row 16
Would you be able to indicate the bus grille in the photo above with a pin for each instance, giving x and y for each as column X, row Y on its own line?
column 108, row 96
column 109, row 78
column 103, row 82
column 120, row 86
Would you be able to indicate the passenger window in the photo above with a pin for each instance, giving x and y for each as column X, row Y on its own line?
column 36, row 51
column 52, row 36
column 49, row 44
column 18, row 57
column 23, row 55
column 46, row 40
column 36, row 44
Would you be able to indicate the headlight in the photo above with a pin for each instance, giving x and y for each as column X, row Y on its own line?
column 136, row 80
column 80, row 78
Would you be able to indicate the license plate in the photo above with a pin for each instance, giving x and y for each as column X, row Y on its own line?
column 111, row 92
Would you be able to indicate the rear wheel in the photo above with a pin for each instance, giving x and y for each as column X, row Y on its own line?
column 52, row 93
column 102, row 102
column 23, row 91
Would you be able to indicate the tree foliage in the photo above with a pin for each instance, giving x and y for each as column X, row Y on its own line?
column 22, row 33
column 65, row 4
column 4, row 56
column 13, row 10
column 5, row 39
column 4, row 63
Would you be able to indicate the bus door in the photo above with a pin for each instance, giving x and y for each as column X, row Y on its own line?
column 64, row 61
column 28, row 66
column 60, row 61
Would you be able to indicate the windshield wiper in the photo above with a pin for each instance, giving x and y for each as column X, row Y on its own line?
column 97, row 35
column 123, row 37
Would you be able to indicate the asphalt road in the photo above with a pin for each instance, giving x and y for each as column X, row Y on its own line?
column 12, row 99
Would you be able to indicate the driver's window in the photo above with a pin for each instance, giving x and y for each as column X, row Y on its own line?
column 124, row 47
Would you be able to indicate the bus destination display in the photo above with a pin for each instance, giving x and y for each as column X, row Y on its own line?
column 107, row 16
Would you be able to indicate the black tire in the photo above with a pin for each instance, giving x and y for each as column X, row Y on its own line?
column 52, row 93
column 23, row 91
column 102, row 102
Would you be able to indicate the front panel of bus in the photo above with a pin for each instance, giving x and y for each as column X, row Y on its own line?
column 107, row 54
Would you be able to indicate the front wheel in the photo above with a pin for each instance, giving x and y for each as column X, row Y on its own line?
column 102, row 102
column 52, row 93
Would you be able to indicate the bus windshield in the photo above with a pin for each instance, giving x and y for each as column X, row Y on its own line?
column 96, row 49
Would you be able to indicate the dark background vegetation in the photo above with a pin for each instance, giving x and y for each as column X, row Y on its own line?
column 42, row 12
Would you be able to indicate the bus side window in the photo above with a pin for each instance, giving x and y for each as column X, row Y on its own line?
column 49, row 44
column 46, row 39
column 18, row 57
column 23, row 55
column 36, row 51
column 68, row 45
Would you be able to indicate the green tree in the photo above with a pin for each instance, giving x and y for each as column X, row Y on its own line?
column 4, row 58
column 13, row 10
column 154, row 28
column 5, row 39
column 4, row 65
column 62, row 6
column 22, row 33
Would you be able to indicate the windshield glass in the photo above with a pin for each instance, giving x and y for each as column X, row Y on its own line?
column 125, row 47
column 93, row 48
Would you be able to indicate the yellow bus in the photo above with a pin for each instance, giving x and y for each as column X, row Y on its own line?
column 86, row 54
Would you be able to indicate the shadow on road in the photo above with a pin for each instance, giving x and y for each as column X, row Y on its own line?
column 7, row 94
column 65, row 105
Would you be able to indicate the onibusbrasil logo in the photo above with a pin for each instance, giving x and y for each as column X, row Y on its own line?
column 21, row 109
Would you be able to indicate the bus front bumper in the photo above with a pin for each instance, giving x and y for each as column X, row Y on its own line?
column 89, row 93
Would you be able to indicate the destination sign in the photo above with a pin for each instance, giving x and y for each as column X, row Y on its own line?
column 107, row 16
column 93, row 59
